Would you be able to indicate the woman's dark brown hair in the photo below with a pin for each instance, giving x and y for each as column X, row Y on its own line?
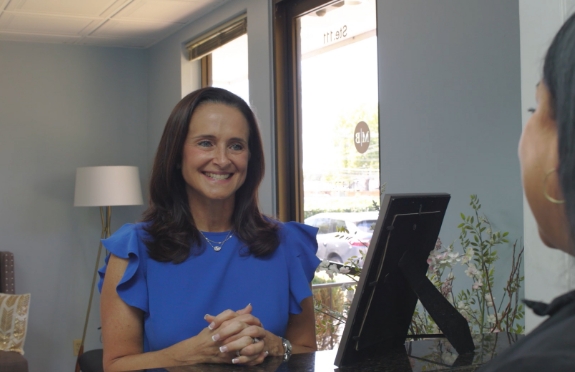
column 559, row 78
column 172, row 230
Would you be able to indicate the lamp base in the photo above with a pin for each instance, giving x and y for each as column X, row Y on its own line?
column 106, row 219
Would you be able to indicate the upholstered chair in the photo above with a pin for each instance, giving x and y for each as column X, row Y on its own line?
column 12, row 361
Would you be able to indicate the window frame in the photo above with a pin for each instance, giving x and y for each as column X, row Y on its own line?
column 289, row 156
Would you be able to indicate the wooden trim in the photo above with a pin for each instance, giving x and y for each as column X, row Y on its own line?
column 283, row 189
column 286, row 156
column 206, row 70
column 289, row 155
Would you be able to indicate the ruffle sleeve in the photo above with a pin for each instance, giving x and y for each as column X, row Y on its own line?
column 301, row 243
column 127, row 243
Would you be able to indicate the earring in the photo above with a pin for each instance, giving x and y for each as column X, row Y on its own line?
column 547, row 196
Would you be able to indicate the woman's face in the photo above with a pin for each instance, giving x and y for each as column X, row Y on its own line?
column 538, row 155
column 215, row 155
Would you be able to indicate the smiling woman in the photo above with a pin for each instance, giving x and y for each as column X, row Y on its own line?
column 199, row 147
column 204, row 248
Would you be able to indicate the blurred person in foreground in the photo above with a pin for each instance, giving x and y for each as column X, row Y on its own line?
column 547, row 157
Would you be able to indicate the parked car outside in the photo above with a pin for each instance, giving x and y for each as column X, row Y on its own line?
column 337, row 246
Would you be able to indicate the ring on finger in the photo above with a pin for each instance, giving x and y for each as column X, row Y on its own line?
column 256, row 340
column 238, row 353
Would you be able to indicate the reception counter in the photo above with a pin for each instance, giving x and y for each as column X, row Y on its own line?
column 434, row 354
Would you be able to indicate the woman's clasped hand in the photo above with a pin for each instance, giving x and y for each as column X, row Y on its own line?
column 240, row 335
column 231, row 336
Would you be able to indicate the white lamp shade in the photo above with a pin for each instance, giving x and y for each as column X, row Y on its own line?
column 107, row 186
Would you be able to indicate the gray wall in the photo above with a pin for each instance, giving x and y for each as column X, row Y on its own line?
column 63, row 107
column 450, row 109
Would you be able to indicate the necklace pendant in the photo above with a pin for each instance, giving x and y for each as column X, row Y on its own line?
column 217, row 248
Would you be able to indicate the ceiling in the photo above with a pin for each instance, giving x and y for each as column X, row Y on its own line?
column 114, row 23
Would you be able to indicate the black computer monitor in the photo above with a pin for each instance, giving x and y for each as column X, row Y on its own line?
column 379, row 317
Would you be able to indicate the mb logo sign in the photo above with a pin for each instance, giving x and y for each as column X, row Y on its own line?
column 361, row 137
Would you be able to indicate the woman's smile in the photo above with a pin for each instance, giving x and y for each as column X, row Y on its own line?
column 217, row 176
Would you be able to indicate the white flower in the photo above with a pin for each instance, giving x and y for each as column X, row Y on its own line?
column 489, row 300
column 477, row 284
column 468, row 256
column 331, row 270
column 445, row 260
column 324, row 264
column 471, row 271
column 454, row 257
column 344, row 270
column 491, row 318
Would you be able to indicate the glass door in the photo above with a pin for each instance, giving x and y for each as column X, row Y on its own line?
column 337, row 54
column 328, row 138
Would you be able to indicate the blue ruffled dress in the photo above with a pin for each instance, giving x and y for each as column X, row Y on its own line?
column 175, row 297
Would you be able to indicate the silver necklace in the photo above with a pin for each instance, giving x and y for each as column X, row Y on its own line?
column 217, row 246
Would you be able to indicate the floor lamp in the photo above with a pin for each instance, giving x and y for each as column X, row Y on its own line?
column 105, row 187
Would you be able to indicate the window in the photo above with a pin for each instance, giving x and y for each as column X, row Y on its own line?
column 326, row 107
column 230, row 67
column 224, row 57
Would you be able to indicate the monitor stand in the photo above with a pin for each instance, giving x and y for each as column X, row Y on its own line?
column 448, row 319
